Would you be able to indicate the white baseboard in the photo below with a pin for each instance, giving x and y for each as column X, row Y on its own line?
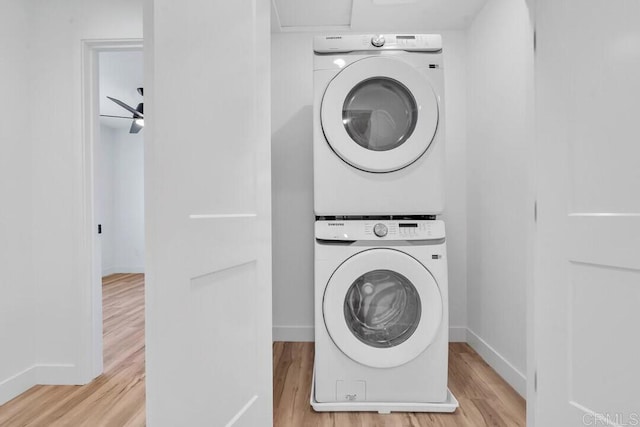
column 499, row 363
column 57, row 374
column 17, row 384
column 457, row 334
column 293, row 333
column 43, row 374
column 123, row 270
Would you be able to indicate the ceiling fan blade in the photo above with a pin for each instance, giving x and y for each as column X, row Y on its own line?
column 141, row 91
column 132, row 110
column 116, row 117
column 135, row 127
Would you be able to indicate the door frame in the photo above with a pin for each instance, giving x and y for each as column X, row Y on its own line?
column 91, row 345
column 533, row 249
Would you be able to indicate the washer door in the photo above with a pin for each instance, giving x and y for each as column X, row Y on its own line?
column 382, row 308
column 379, row 114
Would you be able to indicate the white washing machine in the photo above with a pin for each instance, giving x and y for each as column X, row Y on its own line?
column 381, row 316
column 378, row 125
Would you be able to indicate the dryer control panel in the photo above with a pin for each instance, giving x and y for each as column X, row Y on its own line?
column 376, row 42
column 379, row 230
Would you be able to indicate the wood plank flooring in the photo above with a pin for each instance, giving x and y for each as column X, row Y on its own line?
column 485, row 398
column 116, row 398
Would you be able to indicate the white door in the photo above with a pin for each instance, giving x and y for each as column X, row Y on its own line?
column 207, row 161
column 588, row 274
column 382, row 308
column 380, row 114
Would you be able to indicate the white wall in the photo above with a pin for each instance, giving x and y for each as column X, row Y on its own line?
column 17, row 291
column 292, row 185
column 292, row 178
column 103, row 193
column 54, row 94
column 455, row 213
column 499, row 187
column 40, row 184
column 128, row 219
column 119, row 173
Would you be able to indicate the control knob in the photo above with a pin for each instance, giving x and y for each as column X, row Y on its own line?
column 380, row 230
column 377, row 41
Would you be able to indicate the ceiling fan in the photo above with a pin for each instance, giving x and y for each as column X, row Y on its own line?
column 137, row 113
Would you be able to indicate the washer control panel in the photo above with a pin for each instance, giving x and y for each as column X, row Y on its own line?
column 379, row 230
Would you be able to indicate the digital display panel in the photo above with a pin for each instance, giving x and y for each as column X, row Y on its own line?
column 408, row 225
column 406, row 37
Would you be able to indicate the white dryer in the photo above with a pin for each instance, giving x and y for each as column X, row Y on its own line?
column 381, row 316
column 378, row 125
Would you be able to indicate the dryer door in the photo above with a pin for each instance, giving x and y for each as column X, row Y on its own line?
column 382, row 308
column 379, row 114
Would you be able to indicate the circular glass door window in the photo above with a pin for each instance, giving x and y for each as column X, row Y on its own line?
column 380, row 114
column 382, row 308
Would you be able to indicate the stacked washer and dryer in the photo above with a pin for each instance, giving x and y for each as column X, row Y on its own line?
column 381, row 297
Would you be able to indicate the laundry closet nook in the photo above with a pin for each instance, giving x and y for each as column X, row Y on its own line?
column 487, row 141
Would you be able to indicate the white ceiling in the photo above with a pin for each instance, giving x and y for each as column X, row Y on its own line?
column 296, row 13
column 121, row 73
column 373, row 15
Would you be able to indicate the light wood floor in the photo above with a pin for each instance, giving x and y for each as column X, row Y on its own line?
column 116, row 398
column 485, row 398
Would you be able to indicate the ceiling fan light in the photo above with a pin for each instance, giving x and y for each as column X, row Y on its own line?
column 140, row 122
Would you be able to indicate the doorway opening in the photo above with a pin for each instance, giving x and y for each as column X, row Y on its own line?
column 119, row 164
column 113, row 218
column 118, row 172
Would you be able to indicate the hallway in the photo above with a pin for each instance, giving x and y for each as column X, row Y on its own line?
column 114, row 399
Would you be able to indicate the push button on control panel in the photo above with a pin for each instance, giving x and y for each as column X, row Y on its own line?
column 380, row 230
